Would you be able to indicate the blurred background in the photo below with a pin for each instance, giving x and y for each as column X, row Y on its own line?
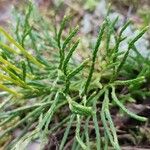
column 88, row 14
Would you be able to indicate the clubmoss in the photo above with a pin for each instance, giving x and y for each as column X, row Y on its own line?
column 54, row 84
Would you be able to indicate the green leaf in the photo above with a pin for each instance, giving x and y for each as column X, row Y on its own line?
column 131, row 114
column 78, row 108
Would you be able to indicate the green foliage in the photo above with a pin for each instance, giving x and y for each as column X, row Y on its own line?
column 90, row 4
column 145, row 15
column 54, row 84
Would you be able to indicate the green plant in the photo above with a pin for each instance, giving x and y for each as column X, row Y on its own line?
column 145, row 15
column 90, row 4
column 38, row 88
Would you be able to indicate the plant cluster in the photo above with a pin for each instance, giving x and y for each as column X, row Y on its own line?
column 47, row 90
